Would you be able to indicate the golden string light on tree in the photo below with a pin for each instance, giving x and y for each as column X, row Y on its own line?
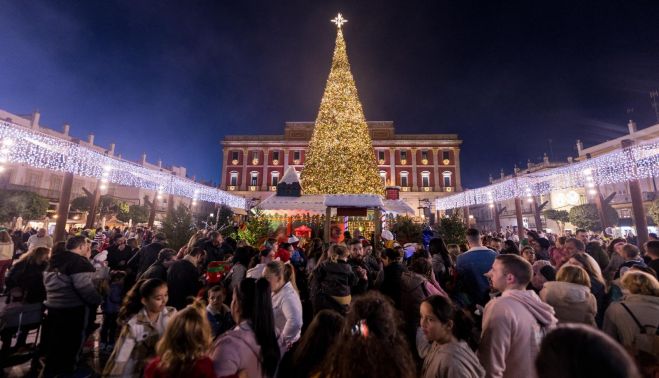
column 340, row 158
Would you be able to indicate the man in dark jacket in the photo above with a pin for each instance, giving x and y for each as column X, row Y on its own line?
column 183, row 278
column 148, row 254
column 70, row 294
column 159, row 268
column 213, row 248
column 356, row 261
column 119, row 254
column 389, row 279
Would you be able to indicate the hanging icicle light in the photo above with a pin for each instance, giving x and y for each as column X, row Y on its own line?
column 19, row 145
column 633, row 163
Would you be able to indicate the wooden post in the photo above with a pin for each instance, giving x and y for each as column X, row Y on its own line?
column 93, row 206
column 599, row 204
column 520, row 220
column 640, row 220
column 63, row 208
column 497, row 218
column 536, row 215
column 326, row 231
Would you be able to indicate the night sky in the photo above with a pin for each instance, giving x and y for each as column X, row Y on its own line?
column 171, row 78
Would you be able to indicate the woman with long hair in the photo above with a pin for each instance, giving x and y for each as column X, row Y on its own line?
column 306, row 356
column 597, row 285
column 371, row 343
column 286, row 303
column 25, row 278
column 183, row 349
column 442, row 264
column 314, row 252
column 251, row 348
column 143, row 316
column 452, row 337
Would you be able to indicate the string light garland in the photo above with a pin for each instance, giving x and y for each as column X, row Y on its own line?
column 340, row 157
column 20, row 145
column 632, row 163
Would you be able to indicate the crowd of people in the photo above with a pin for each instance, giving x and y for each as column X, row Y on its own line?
column 545, row 306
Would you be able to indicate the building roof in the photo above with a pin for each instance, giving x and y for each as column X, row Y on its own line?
column 290, row 176
column 302, row 131
column 309, row 203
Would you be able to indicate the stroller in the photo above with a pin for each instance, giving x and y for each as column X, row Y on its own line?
column 20, row 320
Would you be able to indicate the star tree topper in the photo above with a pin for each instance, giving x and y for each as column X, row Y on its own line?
column 339, row 20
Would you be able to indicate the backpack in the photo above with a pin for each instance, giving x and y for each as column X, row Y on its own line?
column 647, row 340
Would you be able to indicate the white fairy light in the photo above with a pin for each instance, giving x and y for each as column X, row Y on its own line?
column 633, row 163
column 21, row 145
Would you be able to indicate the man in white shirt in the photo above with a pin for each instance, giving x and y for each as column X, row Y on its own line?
column 40, row 239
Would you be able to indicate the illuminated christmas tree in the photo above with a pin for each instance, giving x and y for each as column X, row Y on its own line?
column 340, row 159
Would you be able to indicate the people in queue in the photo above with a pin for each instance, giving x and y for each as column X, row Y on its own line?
column 400, row 320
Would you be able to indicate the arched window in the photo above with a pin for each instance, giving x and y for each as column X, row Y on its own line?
column 254, row 180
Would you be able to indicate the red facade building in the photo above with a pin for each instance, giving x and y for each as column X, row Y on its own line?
column 424, row 166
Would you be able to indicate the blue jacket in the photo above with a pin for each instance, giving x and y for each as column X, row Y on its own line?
column 471, row 267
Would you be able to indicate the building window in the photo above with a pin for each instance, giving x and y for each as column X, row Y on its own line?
column 233, row 181
column 383, row 176
column 403, row 179
column 55, row 185
column 447, row 178
column 424, row 155
column 403, row 155
column 274, row 179
column 425, row 179
column 234, row 155
column 254, row 180
column 381, row 156
column 625, row 213
column 275, row 155
column 33, row 179
column 445, row 155
column 296, row 155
